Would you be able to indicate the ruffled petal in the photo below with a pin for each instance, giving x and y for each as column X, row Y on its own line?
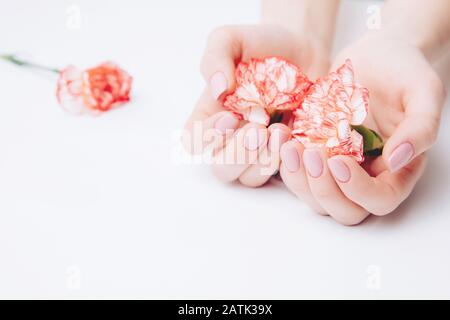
column 357, row 146
column 332, row 105
column 270, row 84
column 257, row 115
column 359, row 104
column 96, row 89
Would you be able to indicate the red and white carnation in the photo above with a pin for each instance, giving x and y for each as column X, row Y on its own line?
column 333, row 104
column 266, row 86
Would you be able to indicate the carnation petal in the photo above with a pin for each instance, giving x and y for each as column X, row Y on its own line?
column 332, row 142
column 357, row 146
column 347, row 76
column 257, row 115
column 95, row 89
column 265, row 86
column 332, row 105
column 343, row 129
column 359, row 105
column 248, row 92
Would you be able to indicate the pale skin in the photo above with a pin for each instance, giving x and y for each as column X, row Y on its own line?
column 394, row 63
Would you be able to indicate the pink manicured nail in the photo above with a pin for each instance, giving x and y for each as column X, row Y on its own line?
column 253, row 138
column 401, row 156
column 313, row 162
column 218, row 84
column 290, row 158
column 339, row 170
column 225, row 123
column 277, row 138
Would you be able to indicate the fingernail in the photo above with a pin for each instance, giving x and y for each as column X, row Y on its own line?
column 313, row 162
column 339, row 170
column 401, row 156
column 225, row 123
column 277, row 138
column 218, row 84
column 253, row 138
column 290, row 158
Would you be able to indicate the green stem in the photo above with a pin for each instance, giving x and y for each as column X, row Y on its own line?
column 18, row 62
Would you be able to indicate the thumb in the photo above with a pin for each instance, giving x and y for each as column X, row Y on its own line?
column 418, row 130
column 218, row 62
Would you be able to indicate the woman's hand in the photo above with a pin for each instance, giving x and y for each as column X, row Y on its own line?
column 244, row 151
column 406, row 99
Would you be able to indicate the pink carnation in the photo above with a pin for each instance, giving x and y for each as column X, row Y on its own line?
column 332, row 105
column 265, row 86
column 97, row 89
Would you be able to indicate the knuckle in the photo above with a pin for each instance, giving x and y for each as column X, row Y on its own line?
column 319, row 211
column 205, row 63
column 302, row 192
column 437, row 85
column 322, row 192
column 252, row 183
column 351, row 219
column 219, row 33
column 430, row 130
column 297, row 185
column 221, row 173
column 384, row 209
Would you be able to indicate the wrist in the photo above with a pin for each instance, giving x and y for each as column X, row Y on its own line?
column 419, row 40
column 392, row 38
column 421, row 24
column 308, row 18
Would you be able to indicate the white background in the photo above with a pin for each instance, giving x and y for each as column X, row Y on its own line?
column 99, row 207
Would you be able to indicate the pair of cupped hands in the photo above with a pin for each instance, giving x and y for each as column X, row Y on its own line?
column 406, row 98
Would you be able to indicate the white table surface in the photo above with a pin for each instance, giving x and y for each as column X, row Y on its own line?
column 102, row 207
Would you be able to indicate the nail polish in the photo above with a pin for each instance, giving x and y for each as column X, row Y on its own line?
column 290, row 158
column 277, row 138
column 339, row 170
column 401, row 156
column 313, row 162
column 253, row 139
column 225, row 123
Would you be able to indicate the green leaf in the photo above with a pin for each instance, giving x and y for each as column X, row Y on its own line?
column 372, row 142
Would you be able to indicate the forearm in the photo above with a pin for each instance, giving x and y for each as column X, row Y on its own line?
column 424, row 24
column 317, row 17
